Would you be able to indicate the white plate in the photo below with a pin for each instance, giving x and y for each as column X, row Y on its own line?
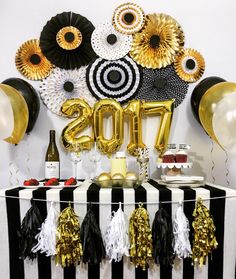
column 181, row 184
column 60, row 186
column 182, row 179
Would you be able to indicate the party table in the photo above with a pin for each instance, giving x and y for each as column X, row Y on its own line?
column 15, row 202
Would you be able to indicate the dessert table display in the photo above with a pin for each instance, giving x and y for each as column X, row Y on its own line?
column 15, row 202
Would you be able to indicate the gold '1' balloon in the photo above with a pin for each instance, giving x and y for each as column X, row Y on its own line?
column 165, row 109
column 80, row 108
column 208, row 104
column 20, row 111
column 134, row 111
column 105, row 106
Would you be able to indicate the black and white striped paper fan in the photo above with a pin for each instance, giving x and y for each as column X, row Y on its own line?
column 118, row 79
column 162, row 84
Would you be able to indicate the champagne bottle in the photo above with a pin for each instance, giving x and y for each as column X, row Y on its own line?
column 52, row 159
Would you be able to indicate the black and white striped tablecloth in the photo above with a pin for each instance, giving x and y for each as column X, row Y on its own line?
column 12, row 211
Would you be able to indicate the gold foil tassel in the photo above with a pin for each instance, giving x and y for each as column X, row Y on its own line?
column 204, row 234
column 140, row 238
column 68, row 244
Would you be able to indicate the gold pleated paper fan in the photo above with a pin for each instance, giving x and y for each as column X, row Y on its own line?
column 30, row 61
column 157, row 44
column 69, row 37
column 189, row 65
column 128, row 18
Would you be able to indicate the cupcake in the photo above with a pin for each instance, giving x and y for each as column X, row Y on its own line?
column 168, row 157
column 181, row 156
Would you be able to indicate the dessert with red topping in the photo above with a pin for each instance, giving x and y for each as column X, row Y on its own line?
column 168, row 157
column 52, row 182
column 70, row 181
column 31, row 182
column 181, row 156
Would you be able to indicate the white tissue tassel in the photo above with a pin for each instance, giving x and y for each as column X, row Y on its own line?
column 182, row 247
column 47, row 235
column 116, row 238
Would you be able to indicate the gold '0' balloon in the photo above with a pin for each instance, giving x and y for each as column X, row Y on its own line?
column 134, row 111
column 208, row 104
column 108, row 146
column 20, row 111
column 165, row 109
column 74, row 107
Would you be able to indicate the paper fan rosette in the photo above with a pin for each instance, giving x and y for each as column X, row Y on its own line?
column 128, row 18
column 157, row 44
column 62, row 85
column 118, row 79
column 66, row 40
column 162, row 84
column 31, row 62
column 110, row 44
column 189, row 65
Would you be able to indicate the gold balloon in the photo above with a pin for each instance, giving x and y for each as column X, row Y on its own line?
column 108, row 146
column 20, row 111
column 208, row 104
column 165, row 109
column 104, row 179
column 131, row 176
column 134, row 111
column 71, row 108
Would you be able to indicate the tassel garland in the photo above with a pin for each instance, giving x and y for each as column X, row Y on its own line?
column 116, row 238
column 140, row 238
column 182, row 247
column 162, row 235
column 29, row 229
column 68, row 245
column 92, row 243
column 47, row 236
column 204, row 234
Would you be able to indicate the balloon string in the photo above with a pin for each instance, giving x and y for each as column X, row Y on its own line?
column 28, row 170
column 10, row 174
column 212, row 161
column 226, row 168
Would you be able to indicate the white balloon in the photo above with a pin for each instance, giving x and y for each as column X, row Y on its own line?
column 224, row 122
column 6, row 116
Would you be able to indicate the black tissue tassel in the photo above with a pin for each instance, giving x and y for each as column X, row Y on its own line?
column 29, row 229
column 162, row 235
column 91, row 239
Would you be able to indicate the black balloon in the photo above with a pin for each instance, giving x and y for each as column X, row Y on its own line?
column 200, row 90
column 30, row 96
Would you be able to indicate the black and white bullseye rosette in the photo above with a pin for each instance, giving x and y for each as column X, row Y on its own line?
column 110, row 44
column 62, row 85
column 118, row 79
column 162, row 84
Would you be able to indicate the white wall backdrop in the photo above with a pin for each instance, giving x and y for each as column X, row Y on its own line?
column 209, row 27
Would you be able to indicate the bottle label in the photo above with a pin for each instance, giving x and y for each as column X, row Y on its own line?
column 52, row 169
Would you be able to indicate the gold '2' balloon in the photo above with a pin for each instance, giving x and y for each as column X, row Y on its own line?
column 108, row 146
column 20, row 111
column 134, row 111
column 165, row 109
column 80, row 108
column 209, row 102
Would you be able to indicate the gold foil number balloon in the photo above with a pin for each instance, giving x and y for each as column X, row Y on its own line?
column 105, row 106
column 71, row 108
column 20, row 111
column 134, row 111
column 165, row 109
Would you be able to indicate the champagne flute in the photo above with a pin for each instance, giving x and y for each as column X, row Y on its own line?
column 94, row 157
column 75, row 156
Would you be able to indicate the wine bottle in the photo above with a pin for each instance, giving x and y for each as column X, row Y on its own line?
column 52, row 159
